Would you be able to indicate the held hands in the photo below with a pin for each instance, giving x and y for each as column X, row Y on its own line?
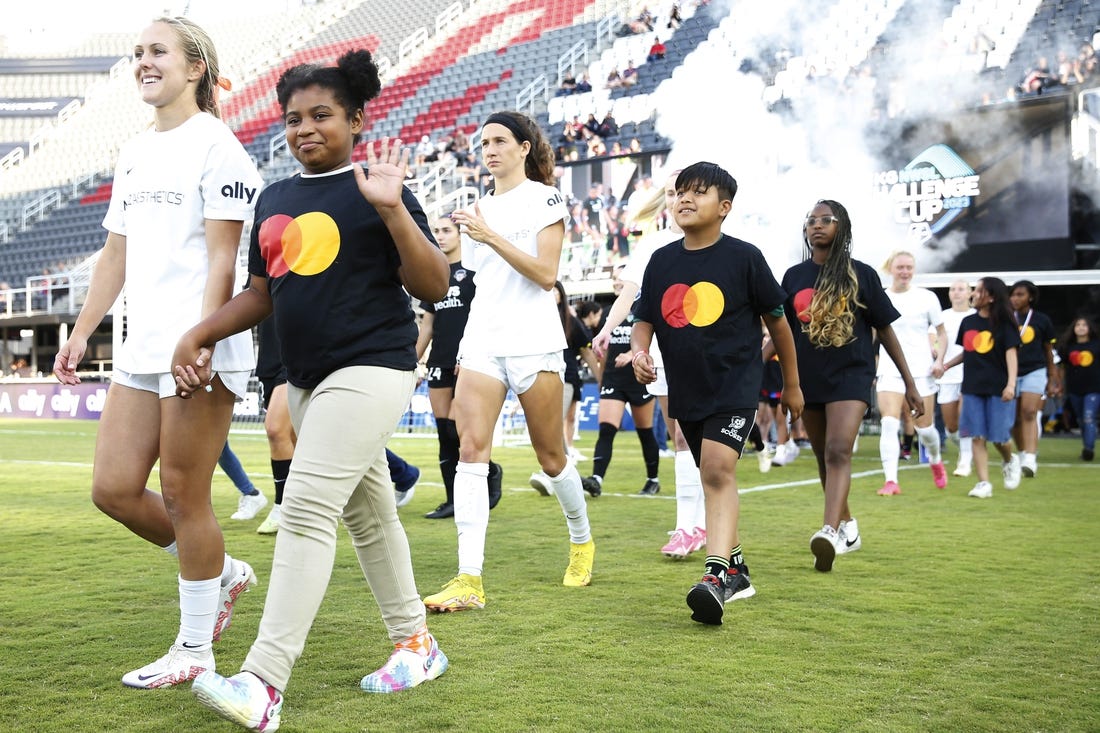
column 190, row 379
column 382, row 182
column 643, row 368
column 67, row 359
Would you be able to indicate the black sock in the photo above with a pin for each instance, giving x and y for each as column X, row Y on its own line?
column 907, row 442
column 280, row 470
column 717, row 566
column 736, row 558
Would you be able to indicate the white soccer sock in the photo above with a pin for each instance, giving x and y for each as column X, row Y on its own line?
column 687, row 490
column 171, row 549
column 888, row 449
column 567, row 487
column 929, row 437
column 228, row 570
column 198, row 612
column 953, row 436
column 471, row 515
column 966, row 450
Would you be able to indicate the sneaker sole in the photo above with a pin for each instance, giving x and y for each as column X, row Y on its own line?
column 214, row 704
column 453, row 607
column 539, row 487
column 824, row 553
column 705, row 608
column 1027, row 472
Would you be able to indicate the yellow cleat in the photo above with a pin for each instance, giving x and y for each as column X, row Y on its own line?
column 462, row 592
column 579, row 572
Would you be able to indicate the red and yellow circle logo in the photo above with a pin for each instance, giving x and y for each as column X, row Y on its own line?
column 802, row 304
column 1081, row 358
column 700, row 304
column 979, row 341
column 304, row 245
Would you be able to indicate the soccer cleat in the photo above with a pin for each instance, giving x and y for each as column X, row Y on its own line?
column 1029, row 466
column 848, row 539
column 890, row 488
column 1087, row 454
column 738, row 587
column 406, row 668
column 592, row 485
column 242, row 579
column 652, row 487
column 698, row 539
column 1011, row 471
column 939, row 475
column 581, row 557
column 401, row 498
column 679, row 546
column 906, row 454
column 271, row 524
column 461, row 593
column 249, row 505
column 496, row 483
column 178, row 665
column 962, row 469
column 707, row 600
column 243, row 699
column 443, row 511
column 540, row 482
column 823, row 546
column 981, row 490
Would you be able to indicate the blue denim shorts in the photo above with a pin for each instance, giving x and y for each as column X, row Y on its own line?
column 987, row 416
column 1034, row 382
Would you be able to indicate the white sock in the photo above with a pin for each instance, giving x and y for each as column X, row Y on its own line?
column 567, row 487
column 851, row 529
column 228, row 570
column 471, row 515
column 929, row 437
column 953, row 436
column 966, row 451
column 171, row 549
column 687, row 487
column 198, row 611
column 888, row 449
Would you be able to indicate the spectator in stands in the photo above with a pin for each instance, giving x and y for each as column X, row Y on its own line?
column 513, row 340
column 614, row 79
column 635, row 145
column 1087, row 63
column 596, row 147
column 630, row 75
column 592, row 125
column 176, row 255
column 674, row 19
column 425, row 151
column 608, row 127
column 583, row 84
column 5, row 295
column 615, row 150
column 441, row 330
column 656, row 51
column 568, row 86
column 1037, row 78
column 20, row 368
column 350, row 373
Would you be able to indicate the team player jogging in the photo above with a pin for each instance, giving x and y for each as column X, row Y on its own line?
column 182, row 192
column 513, row 340
column 703, row 298
column 332, row 253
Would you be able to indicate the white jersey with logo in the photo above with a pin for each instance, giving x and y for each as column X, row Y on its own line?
column 511, row 315
column 920, row 310
column 951, row 320
column 634, row 270
column 166, row 184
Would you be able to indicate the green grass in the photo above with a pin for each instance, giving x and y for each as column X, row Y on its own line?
column 957, row 615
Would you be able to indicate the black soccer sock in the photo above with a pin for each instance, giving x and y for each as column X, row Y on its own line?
column 651, row 454
column 280, row 470
column 907, row 441
column 601, row 457
column 717, row 566
column 448, row 454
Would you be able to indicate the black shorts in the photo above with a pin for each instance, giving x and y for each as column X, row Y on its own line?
column 731, row 429
column 636, row 395
column 441, row 378
column 268, row 385
column 578, row 385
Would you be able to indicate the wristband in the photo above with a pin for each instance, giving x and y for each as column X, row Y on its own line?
column 636, row 355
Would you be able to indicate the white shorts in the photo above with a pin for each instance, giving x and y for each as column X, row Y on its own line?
column 518, row 373
column 660, row 387
column 164, row 384
column 889, row 383
column 950, row 392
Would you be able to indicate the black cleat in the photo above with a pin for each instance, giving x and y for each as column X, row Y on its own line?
column 496, row 479
column 651, row 488
column 592, row 486
column 443, row 511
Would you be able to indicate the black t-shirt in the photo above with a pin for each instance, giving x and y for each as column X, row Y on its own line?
column 1082, row 364
column 449, row 317
column 705, row 307
column 985, row 371
column 269, row 364
column 579, row 337
column 842, row 372
column 619, row 343
column 1038, row 332
column 332, row 270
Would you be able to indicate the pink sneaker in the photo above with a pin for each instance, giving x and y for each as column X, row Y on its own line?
column 889, row 489
column 679, row 546
column 698, row 539
column 939, row 475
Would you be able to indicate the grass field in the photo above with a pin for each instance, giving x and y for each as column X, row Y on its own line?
column 957, row 615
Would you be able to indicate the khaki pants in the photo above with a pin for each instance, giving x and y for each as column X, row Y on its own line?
column 339, row 471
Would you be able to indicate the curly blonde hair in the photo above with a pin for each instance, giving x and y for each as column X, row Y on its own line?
column 836, row 291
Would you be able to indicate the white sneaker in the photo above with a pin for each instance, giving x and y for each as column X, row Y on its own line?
column 243, row 699
column 962, row 469
column 981, row 490
column 576, row 455
column 848, row 539
column 271, row 524
column 242, row 580
column 1011, row 472
column 249, row 505
column 784, row 454
column 540, row 482
column 666, row 453
column 823, row 546
column 178, row 665
column 401, row 498
column 764, row 458
column 1029, row 465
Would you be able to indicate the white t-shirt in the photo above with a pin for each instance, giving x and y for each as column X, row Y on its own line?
column 511, row 315
column 920, row 310
column 166, row 184
column 951, row 321
column 634, row 270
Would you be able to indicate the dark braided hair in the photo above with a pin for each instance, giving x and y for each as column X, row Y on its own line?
column 836, row 291
column 353, row 82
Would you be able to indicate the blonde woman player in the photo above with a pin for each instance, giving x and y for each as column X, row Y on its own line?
column 949, row 397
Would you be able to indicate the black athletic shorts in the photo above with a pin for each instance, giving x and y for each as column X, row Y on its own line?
column 441, row 378
column 636, row 395
column 730, row 429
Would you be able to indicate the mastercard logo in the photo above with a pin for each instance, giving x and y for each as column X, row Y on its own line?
column 1081, row 358
column 699, row 305
column 304, row 245
column 979, row 341
column 1027, row 334
column 802, row 304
